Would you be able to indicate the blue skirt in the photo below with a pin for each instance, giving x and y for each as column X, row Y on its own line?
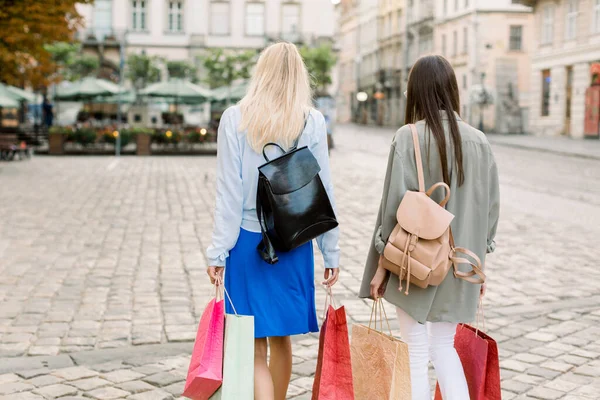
column 281, row 297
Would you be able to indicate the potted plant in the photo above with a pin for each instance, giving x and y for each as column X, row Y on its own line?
column 112, row 135
column 57, row 136
column 143, row 139
column 85, row 136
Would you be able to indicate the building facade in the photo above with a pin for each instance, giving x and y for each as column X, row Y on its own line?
column 566, row 42
column 184, row 29
column 488, row 44
column 347, row 43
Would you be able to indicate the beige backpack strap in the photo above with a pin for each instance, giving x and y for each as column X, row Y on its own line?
column 475, row 263
column 418, row 159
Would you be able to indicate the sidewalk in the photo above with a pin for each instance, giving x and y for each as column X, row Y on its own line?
column 583, row 148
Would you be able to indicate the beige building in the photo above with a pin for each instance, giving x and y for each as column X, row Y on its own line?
column 488, row 43
column 347, row 43
column 565, row 44
column 183, row 29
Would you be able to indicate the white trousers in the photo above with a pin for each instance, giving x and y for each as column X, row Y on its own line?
column 433, row 341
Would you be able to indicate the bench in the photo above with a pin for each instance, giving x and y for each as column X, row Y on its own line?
column 10, row 146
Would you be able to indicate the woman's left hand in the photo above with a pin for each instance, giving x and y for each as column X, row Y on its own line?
column 331, row 276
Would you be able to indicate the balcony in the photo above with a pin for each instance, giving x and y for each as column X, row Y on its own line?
column 95, row 37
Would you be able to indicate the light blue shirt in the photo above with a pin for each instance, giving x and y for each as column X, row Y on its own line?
column 237, row 180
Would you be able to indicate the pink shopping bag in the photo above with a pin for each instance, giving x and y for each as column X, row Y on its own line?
column 205, row 373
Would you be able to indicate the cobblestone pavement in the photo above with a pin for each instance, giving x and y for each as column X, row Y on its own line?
column 102, row 272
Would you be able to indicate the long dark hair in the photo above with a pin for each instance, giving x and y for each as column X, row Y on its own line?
column 432, row 88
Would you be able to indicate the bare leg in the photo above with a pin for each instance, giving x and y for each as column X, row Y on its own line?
column 263, row 383
column 281, row 364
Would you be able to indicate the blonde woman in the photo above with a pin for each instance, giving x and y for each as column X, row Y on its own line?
column 281, row 297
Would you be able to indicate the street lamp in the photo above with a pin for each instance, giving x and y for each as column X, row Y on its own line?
column 483, row 102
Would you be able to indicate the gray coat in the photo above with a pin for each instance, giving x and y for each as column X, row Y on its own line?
column 475, row 205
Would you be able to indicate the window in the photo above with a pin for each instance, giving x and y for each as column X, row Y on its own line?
column 597, row 16
column 464, row 81
column 255, row 19
column 454, row 43
column 175, row 22
column 138, row 15
column 546, row 80
column 516, row 37
column 466, row 3
column 445, row 7
column 425, row 41
column 444, row 45
column 571, row 26
column 455, row 5
column 102, row 18
column 547, row 24
column 290, row 21
column 219, row 18
column 465, row 40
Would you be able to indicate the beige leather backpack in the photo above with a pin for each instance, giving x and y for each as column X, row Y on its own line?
column 421, row 248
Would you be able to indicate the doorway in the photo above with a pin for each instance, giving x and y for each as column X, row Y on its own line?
column 569, row 92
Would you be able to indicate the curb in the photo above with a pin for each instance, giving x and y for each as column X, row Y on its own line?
column 543, row 150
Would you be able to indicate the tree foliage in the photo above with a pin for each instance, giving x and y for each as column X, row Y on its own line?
column 142, row 70
column 224, row 67
column 26, row 27
column 70, row 64
column 319, row 62
column 182, row 70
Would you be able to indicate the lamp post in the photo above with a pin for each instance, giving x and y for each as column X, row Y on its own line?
column 120, row 123
column 483, row 101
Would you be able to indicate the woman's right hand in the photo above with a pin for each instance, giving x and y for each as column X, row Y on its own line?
column 379, row 281
column 215, row 274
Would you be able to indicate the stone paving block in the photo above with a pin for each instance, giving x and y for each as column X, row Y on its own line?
column 588, row 370
column 122, row 375
column 545, row 394
column 543, row 372
column 514, row 365
column 54, row 391
column 136, row 386
column 107, row 393
column 43, row 350
column 148, row 369
column 22, row 396
column 74, row 373
column 13, row 349
column 294, row 391
column 109, row 366
column 175, row 389
column 155, row 394
column 90, row 383
column 8, row 378
column 15, row 387
column 44, row 380
column 557, row 366
column 561, row 385
column 515, row 386
column 162, row 379
column 32, row 373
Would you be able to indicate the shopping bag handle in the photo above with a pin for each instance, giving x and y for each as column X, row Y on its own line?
column 377, row 304
column 329, row 300
column 223, row 292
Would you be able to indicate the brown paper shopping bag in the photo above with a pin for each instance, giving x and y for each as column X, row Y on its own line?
column 380, row 363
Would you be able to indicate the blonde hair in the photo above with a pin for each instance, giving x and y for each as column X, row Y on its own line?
column 279, row 98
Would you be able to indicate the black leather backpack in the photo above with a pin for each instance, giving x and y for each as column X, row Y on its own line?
column 292, row 204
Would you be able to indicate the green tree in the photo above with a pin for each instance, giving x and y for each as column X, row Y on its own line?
column 319, row 62
column 223, row 67
column 182, row 70
column 71, row 65
column 142, row 70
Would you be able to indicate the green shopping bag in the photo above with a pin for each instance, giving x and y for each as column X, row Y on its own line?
column 238, row 360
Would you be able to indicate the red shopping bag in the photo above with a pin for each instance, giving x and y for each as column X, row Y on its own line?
column 478, row 353
column 333, row 378
column 205, row 373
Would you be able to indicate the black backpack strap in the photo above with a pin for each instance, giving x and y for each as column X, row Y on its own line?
column 295, row 146
column 265, row 247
